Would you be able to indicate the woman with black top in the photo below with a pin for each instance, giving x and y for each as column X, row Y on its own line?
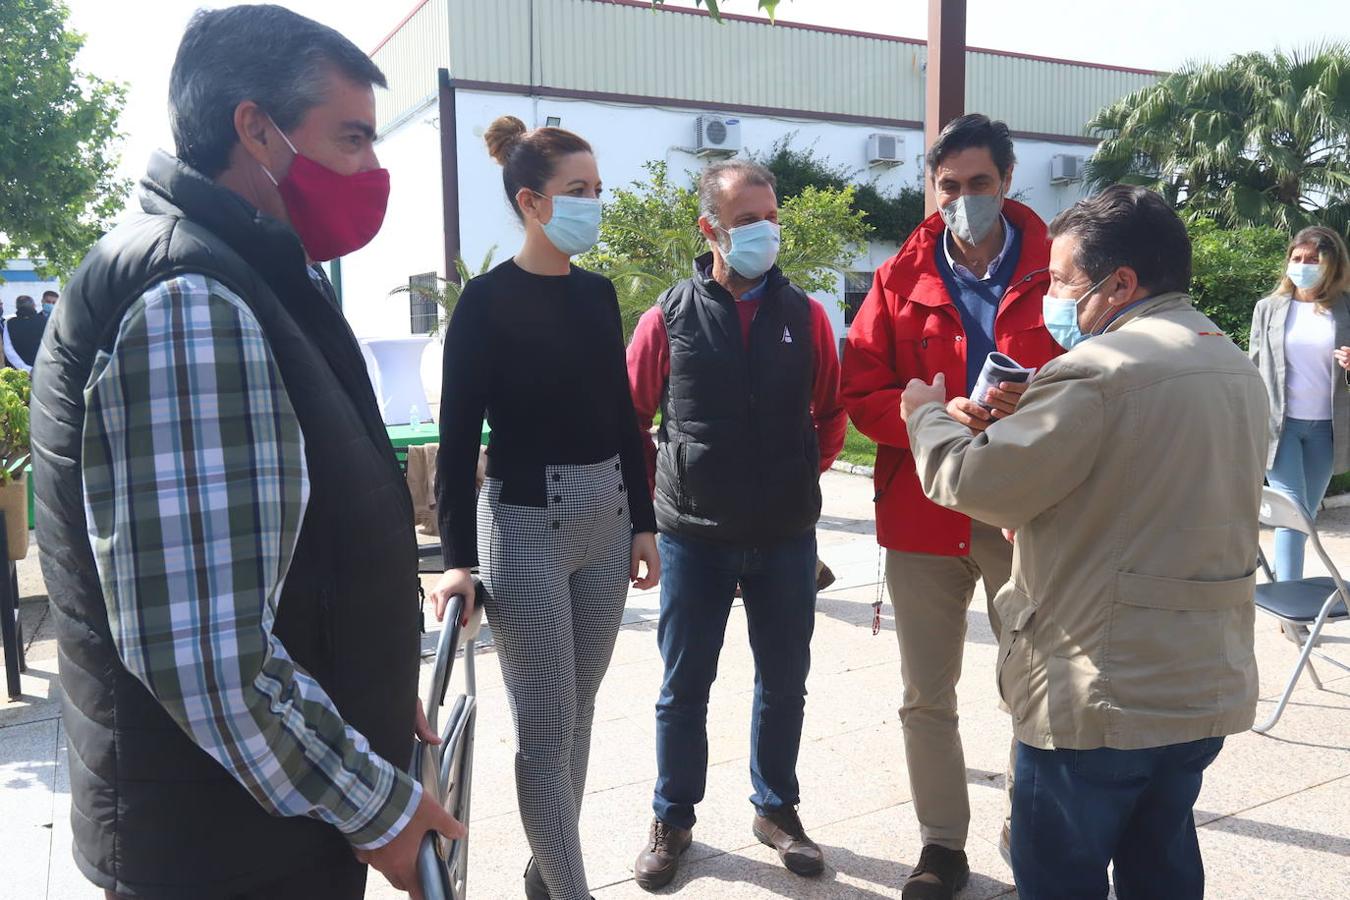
column 564, row 520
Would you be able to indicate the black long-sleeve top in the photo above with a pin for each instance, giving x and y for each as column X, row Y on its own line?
column 543, row 357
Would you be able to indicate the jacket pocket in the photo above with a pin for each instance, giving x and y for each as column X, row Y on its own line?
column 682, row 478
column 1017, row 613
column 1179, row 647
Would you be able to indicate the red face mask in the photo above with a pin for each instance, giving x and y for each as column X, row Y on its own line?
column 333, row 214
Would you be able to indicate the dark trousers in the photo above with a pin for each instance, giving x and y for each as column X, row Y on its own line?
column 335, row 879
column 1075, row 811
column 698, row 582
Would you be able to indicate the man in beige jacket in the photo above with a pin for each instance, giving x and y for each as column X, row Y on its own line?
column 1131, row 474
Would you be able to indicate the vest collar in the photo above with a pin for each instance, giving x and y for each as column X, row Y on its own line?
column 774, row 280
column 171, row 187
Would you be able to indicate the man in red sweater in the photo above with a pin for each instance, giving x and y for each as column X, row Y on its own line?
column 968, row 281
column 742, row 365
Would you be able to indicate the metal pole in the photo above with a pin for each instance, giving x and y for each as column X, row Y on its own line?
column 449, row 175
column 945, row 90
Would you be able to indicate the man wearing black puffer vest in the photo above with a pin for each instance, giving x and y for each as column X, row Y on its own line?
column 744, row 370
column 226, row 536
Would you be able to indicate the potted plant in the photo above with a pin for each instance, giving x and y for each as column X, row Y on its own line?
column 444, row 293
column 15, row 391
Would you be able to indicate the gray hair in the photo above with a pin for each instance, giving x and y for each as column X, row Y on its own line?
column 713, row 182
column 270, row 55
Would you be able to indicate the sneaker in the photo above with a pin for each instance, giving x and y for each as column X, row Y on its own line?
column 782, row 830
column 941, row 872
column 660, row 859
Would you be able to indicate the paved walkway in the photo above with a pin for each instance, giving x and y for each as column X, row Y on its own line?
column 1275, row 811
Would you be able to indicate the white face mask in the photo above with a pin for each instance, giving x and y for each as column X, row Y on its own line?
column 753, row 248
column 1304, row 275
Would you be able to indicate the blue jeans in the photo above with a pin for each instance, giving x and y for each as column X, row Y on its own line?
column 1302, row 470
column 1075, row 811
column 698, row 582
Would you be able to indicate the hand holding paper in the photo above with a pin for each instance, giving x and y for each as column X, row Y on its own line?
column 1002, row 401
column 1001, row 384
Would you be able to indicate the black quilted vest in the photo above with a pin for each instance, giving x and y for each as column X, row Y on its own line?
column 738, row 460
column 153, row 814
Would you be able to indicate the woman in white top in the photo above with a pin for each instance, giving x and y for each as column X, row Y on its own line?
column 1301, row 342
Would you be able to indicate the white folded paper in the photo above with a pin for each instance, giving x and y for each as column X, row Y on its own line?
column 998, row 368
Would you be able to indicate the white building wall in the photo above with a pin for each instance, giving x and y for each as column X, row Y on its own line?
column 20, row 279
column 412, row 241
column 625, row 137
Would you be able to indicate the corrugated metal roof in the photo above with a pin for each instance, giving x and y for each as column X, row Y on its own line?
column 616, row 47
column 410, row 57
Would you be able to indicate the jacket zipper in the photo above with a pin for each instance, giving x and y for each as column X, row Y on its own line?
column 881, row 492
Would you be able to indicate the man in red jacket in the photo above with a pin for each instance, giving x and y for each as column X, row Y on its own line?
column 968, row 281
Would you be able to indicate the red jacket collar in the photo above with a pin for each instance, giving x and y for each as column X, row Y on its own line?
column 913, row 272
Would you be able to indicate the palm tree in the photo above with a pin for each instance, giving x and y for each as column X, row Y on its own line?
column 446, row 293
column 639, row 281
column 769, row 6
column 1258, row 140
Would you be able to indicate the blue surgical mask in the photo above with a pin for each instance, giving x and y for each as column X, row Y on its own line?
column 1304, row 275
column 972, row 217
column 47, row 308
column 575, row 225
column 754, row 248
column 1061, row 317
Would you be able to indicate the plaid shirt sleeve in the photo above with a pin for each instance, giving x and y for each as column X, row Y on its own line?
column 195, row 486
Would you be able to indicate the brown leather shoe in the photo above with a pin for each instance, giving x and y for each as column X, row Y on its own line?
column 941, row 872
column 824, row 576
column 782, row 830
column 657, row 863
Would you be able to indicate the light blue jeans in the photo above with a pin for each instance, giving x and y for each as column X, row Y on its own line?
column 1302, row 470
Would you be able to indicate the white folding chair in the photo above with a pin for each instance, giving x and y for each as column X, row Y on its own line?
column 446, row 770
column 1306, row 603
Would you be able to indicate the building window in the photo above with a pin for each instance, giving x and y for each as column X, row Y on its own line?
column 422, row 305
column 856, row 286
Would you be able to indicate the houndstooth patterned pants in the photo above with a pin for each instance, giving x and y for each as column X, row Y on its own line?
column 557, row 578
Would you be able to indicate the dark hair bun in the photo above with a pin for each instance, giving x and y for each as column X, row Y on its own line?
column 502, row 136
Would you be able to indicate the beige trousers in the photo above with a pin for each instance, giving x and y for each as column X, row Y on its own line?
column 931, row 595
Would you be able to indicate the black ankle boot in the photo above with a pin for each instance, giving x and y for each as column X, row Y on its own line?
column 535, row 889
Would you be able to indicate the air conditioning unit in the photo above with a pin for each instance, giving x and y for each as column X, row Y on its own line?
column 1065, row 168
column 717, row 136
column 885, row 149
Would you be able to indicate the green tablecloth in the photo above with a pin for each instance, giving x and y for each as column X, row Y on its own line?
column 404, row 436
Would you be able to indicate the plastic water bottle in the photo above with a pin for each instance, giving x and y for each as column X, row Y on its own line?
column 414, row 419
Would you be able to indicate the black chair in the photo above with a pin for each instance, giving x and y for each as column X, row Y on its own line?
column 1302, row 606
column 446, row 770
column 11, row 627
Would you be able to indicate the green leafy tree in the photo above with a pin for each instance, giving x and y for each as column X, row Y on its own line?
column 889, row 216
column 1232, row 269
column 15, row 393
column 446, row 293
column 58, row 131
column 649, row 238
column 1258, row 140
column 770, row 7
